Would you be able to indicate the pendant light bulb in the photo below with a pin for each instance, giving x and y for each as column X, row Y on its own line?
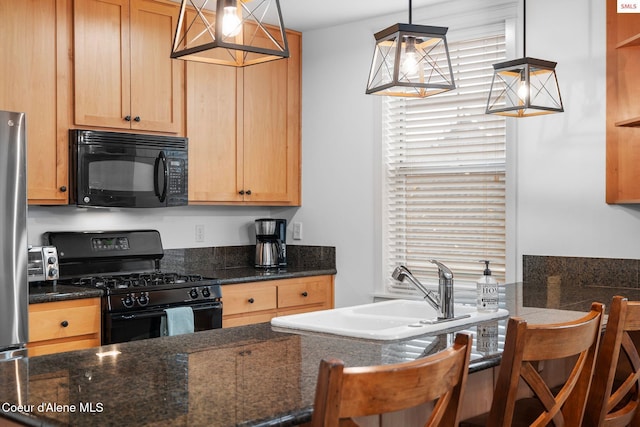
column 410, row 63
column 231, row 24
column 523, row 91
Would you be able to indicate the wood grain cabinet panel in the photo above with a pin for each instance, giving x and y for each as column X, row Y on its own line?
column 124, row 77
column 248, row 298
column 275, row 298
column 64, row 326
column 243, row 126
column 305, row 292
column 623, row 106
column 35, row 66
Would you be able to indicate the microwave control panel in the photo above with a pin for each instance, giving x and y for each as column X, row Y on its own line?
column 177, row 174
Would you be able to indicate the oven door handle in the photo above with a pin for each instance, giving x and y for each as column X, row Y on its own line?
column 158, row 313
column 165, row 175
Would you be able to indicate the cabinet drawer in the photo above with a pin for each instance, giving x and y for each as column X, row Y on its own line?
column 47, row 320
column 316, row 290
column 248, row 298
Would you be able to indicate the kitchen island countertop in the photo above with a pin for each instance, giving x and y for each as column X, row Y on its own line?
column 244, row 376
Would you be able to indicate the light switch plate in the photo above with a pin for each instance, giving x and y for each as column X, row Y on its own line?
column 297, row 231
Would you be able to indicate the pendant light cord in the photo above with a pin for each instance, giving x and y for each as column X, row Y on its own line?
column 524, row 28
column 410, row 22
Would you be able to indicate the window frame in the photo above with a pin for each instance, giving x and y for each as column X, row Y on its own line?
column 505, row 15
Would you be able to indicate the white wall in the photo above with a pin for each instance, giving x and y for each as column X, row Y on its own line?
column 557, row 162
column 224, row 226
column 561, row 207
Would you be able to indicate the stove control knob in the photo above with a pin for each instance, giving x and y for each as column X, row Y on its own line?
column 206, row 293
column 51, row 260
column 193, row 293
column 143, row 299
column 127, row 301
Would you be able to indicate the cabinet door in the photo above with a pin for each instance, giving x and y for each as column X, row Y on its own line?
column 101, row 63
column 64, row 326
column 156, row 79
column 212, row 120
column 271, row 129
column 34, row 69
column 244, row 131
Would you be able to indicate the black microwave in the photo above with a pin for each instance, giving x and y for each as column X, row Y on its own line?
column 114, row 169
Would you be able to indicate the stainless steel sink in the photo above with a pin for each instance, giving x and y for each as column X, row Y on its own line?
column 388, row 320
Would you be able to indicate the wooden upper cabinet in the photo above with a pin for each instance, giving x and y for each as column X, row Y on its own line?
column 215, row 157
column 124, row 77
column 243, row 126
column 623, row 106
column 35, row 68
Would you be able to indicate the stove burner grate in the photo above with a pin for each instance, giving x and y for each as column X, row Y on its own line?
column 134, row 280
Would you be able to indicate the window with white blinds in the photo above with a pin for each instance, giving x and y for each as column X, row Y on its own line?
column 444, row 191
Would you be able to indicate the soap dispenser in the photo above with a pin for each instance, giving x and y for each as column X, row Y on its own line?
column 487, row 299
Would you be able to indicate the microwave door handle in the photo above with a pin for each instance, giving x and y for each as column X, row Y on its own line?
column 165, row 174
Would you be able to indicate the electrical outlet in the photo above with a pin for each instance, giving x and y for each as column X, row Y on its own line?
column 297, row 231
column 199, row 233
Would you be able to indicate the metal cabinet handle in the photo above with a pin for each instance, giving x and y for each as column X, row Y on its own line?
column 251, row 300
column 127, row 118
column 63, row 189
column 305, row 294
column 248, row 192
column 136, row 119
column 64, row 323
column 241, row 192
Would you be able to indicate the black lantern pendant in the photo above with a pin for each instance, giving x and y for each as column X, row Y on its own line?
column 236, row 32
column 411, row 61
column 524, row 87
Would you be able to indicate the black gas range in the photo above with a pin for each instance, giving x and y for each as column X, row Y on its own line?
column 137, row 294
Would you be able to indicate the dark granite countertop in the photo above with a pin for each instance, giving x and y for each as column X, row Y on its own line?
column 39, row 293
column 231, row 276
column 48, row 292
column 244, row 376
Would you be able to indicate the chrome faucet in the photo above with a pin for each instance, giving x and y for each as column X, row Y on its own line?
column 443, row 302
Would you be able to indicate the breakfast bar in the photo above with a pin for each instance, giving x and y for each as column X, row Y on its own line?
column 253, row 375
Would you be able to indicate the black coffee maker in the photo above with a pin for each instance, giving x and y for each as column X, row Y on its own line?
column 271, row 245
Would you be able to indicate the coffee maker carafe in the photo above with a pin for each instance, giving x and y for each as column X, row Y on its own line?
column 271, row 246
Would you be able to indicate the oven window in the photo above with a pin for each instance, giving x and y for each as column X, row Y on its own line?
column 121, row 175
column 123, row 330
column 146, row 324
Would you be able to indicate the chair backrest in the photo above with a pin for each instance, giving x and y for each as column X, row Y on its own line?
column 525, row 345
column 614, row 394
column 343, row 393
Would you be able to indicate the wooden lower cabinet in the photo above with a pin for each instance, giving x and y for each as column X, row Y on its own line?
column 60, row 326
column 257, row 302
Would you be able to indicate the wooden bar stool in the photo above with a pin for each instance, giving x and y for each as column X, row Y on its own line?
column 343, row 393
column 613, row 397
column 525, row 346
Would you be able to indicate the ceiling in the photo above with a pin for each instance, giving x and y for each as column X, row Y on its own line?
column 304, row 15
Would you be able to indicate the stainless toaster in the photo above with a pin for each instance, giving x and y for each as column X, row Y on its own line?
column 42, row 263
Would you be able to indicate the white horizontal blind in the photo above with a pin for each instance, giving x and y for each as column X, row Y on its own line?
column 445, row 173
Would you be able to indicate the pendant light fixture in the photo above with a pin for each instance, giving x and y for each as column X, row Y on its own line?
column 230, row 32
column 411, row 61
column 524, row 87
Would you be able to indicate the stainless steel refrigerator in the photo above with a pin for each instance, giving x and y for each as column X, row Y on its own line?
column 14, row 287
